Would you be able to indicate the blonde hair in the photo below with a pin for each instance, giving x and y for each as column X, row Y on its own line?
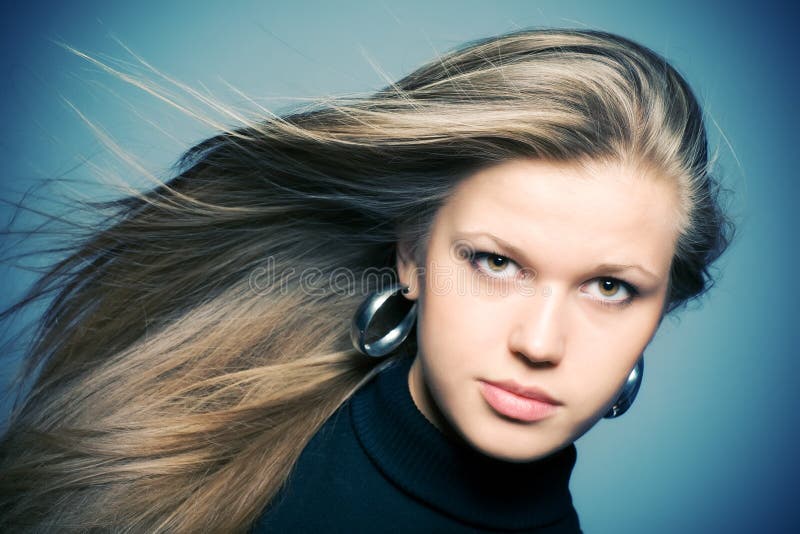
column 176, row 389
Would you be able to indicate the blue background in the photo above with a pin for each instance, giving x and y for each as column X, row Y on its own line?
column 710, row 444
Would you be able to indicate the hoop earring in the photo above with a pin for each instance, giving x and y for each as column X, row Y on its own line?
column 629, row 391
column 366, row 313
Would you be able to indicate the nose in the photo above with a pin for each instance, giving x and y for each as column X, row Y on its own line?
column 538, row 332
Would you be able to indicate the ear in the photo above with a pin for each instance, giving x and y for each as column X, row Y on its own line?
column 408, row 271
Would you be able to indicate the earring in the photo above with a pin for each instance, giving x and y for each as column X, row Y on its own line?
column 366, row 313
column 629, row 391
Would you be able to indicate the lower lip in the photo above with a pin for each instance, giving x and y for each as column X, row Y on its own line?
column 516, row 406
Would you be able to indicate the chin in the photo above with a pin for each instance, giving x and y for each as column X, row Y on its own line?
column 518, row 456
column 515, row 450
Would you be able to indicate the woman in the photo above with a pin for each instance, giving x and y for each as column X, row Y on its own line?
column 519, row 214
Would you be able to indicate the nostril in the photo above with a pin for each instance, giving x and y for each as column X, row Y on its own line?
column 537, row 363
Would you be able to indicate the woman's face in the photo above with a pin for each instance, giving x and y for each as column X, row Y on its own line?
column 542, row 274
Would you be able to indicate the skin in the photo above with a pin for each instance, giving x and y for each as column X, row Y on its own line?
column 536, row 315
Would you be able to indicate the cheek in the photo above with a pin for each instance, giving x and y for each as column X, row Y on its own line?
column 599, row 359
column 458, row 328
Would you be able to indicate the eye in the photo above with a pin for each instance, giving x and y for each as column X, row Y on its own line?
column 494, row 265
column 613, row 292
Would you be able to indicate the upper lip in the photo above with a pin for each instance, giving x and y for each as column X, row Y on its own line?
column 530, row 392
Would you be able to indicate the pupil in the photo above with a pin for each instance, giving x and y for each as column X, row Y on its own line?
column 608, row 285
column 498, row 261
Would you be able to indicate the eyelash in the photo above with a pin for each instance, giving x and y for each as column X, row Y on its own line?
column 632, row 290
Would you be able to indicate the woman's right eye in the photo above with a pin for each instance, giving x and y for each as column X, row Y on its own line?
column 494, row 265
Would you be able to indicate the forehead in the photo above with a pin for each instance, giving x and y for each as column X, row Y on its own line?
column 597, row 213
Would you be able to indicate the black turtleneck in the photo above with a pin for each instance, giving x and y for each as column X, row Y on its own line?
column 378, row 465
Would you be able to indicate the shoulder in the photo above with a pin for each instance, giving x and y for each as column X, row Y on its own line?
column 332, row 483
column 335, row 487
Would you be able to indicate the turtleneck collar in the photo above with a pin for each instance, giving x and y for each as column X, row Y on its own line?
column 449, row 475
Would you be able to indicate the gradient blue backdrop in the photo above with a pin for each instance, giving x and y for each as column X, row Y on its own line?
column 710, row 444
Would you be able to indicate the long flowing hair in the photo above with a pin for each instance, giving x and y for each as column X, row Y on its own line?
column 198, row 338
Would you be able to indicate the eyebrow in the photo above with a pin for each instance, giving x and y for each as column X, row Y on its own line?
column 605, row 267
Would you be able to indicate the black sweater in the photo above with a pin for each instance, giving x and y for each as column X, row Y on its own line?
column 378, row 465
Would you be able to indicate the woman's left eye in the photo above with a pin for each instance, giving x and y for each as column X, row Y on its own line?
column 620, row 293
column 495, row 265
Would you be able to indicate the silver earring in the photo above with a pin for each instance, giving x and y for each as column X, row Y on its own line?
column 366, row 313
column 629, row 391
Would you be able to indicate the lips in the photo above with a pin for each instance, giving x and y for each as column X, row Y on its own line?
column 527, row 392
column 518, row 402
